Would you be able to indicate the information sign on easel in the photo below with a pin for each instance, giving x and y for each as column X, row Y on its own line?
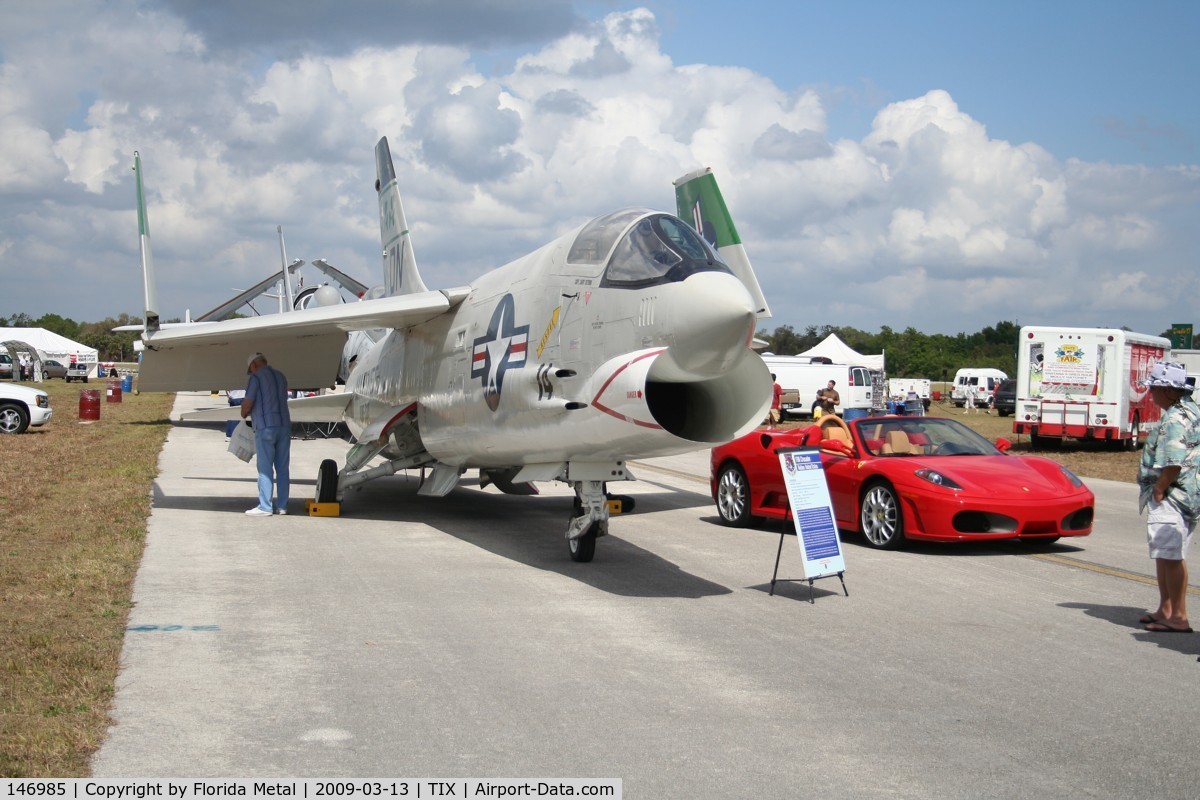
column 812, row 514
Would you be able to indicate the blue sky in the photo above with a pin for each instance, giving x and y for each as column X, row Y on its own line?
column 1098, row 80
column 936, row 165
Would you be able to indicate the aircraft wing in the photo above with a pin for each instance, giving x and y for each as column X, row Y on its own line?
column 233, row 304
column 321, row 408
column 342, row 279
column 305, row 345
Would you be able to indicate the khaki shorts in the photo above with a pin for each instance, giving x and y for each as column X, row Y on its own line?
column 774, row 416
column 1167, row 532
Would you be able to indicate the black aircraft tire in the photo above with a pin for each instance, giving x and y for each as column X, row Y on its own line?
column 327, row 481
column 583, row 548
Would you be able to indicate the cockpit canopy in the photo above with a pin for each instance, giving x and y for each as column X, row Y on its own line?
column 653, row 248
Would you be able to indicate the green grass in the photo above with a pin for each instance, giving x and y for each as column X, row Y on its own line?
column 74, row 499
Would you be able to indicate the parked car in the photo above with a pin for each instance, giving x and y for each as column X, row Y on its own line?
column 6, row 366
column 78, row 372
column 53, row 369
column 896, row 479
column 1006, row 397
column 21, row 407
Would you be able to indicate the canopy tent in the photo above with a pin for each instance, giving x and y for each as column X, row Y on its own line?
column 839, row 352
column 51, row 345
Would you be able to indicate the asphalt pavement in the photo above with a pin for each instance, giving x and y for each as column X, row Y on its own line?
column 453, row 637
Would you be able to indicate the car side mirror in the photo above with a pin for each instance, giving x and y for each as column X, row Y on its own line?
column 1003, row 445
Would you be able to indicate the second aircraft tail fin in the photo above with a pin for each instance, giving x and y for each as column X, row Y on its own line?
column 698, row 200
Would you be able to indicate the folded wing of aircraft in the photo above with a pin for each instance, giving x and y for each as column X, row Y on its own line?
column 627, row 337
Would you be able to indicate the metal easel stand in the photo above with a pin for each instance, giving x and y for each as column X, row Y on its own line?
column 779, row 553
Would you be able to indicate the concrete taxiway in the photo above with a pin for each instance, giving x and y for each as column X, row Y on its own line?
column 438, row 638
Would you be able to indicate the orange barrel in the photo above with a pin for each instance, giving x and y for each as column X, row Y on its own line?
column 89, row 404
column 113, row 393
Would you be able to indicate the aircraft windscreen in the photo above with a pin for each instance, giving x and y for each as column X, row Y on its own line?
column 659, row 249
column 594, row 242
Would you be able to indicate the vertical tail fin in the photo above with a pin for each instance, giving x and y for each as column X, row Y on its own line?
column 699, row 201
column 400, row 275
column 150, row 324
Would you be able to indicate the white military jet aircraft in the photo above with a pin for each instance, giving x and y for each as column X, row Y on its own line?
column 626, row 338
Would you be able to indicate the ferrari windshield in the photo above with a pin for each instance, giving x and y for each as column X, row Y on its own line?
column 918, row 436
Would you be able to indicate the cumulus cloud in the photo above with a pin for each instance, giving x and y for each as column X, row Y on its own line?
column 925, row 221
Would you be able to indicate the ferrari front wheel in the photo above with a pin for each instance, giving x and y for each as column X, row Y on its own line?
column 881, row 518
column 733, row 496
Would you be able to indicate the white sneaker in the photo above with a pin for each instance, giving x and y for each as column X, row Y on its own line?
column 281, row 512
column 257, row 512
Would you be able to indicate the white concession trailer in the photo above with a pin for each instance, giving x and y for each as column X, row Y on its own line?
column 1083, row 383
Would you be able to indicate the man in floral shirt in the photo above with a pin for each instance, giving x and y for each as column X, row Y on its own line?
column 1170, row 489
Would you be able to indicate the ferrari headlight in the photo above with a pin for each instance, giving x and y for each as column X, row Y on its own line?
column 936, row 478
column 1072, row 477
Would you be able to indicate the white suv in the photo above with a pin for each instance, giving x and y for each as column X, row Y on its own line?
column 21, row 407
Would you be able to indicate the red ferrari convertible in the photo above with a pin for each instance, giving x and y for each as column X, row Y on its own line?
column 907, row 478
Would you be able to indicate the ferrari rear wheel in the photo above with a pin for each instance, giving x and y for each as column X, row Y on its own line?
column 881, row 519
column 733, row 496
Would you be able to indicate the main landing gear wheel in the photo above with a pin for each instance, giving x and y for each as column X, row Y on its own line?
column 327, row 481
column 881, row 519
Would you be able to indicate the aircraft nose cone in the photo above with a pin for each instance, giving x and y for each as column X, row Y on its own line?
column 714, row 324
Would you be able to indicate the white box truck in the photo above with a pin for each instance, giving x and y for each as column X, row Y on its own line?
column 1083, row 383
column 805, row 376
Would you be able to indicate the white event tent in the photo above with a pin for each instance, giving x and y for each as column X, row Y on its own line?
column 839, row 352
column 52, row 345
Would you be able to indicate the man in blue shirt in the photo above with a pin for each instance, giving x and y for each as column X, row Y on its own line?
column 266, row 405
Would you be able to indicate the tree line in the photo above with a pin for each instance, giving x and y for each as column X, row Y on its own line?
column 910, row 353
